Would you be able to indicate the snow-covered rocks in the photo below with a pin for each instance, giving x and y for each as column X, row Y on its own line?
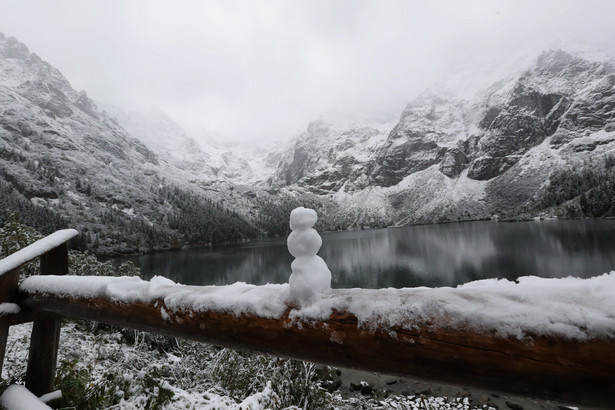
column 310, row 274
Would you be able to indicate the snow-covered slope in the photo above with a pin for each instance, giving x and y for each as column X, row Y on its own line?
column 201, row 160
column 52, row 135
column 163, row 136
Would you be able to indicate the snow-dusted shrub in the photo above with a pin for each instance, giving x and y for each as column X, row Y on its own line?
column 103, row 369
column 114, row 386
column 86, row 264
column 293, row 382
column 13, row 236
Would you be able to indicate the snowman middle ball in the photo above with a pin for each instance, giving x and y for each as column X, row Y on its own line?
column 305, row 242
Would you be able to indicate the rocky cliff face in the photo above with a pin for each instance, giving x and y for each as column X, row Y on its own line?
column 329, row 157
column 561, row 97
column 44, row 119
column 430, row 131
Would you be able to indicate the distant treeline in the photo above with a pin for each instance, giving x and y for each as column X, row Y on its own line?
column 185, row 218
column 201, row 220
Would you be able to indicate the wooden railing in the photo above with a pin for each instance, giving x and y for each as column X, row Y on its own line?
column 42, row 357
column 570, row 371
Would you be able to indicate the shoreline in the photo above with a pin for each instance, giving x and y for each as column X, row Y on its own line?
column 401, row 386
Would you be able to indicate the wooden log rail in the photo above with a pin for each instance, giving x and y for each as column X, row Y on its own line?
column 348, row 328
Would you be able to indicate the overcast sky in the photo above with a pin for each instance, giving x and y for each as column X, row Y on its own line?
column 260, row 69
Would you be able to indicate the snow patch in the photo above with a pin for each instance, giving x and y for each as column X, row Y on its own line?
column 598, row 136
column 164, row 315
column 54, row 396
column 9, row 308
column 130, row 212
column 267, row 300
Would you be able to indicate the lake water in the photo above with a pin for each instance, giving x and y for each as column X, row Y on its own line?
column 427, row 255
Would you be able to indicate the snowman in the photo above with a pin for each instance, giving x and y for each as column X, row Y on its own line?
column 310, row 275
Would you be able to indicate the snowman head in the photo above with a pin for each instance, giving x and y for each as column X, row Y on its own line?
column 302, row 218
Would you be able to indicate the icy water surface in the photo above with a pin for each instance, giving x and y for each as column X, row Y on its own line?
column 428, row 255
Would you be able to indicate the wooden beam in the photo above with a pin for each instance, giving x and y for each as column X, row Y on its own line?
column 8, row 293
column 26, row 315
column 572, row 372
column 43, row 354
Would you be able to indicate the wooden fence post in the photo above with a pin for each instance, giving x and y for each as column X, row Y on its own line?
column 8, row 293
column 43, row 355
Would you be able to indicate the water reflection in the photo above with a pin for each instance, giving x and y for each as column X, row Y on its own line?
column 430, row 255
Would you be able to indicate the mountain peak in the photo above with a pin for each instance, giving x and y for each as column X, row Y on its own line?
column 20, row 67
column 554, row 60
column 11, row 48
column 559, row 62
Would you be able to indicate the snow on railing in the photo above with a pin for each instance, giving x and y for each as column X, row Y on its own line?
column 546, row 338
column 567, row 309
column 17, row 397
column 35, row 250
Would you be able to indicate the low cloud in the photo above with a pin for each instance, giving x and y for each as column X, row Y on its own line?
column 261, row 70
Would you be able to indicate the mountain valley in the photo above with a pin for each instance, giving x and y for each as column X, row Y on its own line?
column 539, row 142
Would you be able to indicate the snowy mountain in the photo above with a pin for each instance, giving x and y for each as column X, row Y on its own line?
column 466, row 156
column 163, row 136
column 330, row 157
column 238, row 164
column 60, row 152
column 536, row 140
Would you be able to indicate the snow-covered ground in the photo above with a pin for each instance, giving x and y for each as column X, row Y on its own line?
column 104, row 367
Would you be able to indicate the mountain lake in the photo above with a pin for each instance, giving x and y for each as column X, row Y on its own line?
column 424, row 255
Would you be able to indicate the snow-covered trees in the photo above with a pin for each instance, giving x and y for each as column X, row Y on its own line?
column 199, row 220
column 592, row 184
column 15, row 235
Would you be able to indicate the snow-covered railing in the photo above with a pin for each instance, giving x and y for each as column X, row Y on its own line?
column 42, row 358
column 544, row 338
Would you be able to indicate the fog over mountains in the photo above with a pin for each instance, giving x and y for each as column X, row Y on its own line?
column 536, row 141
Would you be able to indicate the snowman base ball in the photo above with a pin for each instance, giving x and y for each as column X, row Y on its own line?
column 310, row 277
